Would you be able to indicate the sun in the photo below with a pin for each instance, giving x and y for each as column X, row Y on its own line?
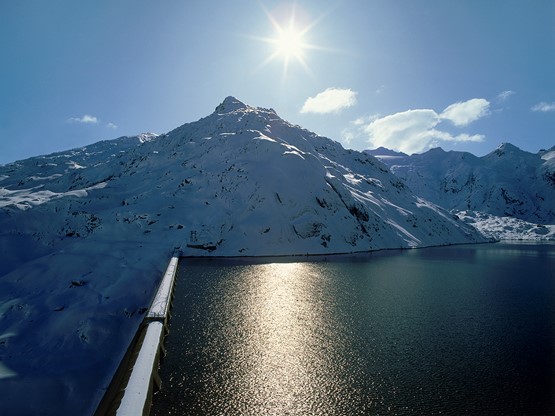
column 289, row 43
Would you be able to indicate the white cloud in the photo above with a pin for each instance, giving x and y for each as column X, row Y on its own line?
column 408, row 131
column 355, row 132
column 544, row 107
column 415, row 131
column 348, row 136
column 85, row 119
column 111, row 126
column 464, row 113
column 505, row 95
column 332, row 100
column 468, row 138
column 365, row 120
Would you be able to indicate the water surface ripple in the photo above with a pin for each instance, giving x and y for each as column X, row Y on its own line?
column 465, row 330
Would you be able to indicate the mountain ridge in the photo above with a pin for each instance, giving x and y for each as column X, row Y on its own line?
column 507, row 182
column 346, row 185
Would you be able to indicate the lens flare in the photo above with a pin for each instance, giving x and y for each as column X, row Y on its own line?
column 289, row 40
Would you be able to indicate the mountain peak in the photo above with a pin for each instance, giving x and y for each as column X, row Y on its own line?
column 383, row 151
column 508, row 147
column 230, row 104
column 147, row 137
column 436, row 151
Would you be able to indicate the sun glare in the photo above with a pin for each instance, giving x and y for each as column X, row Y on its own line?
column 289, row 43
column 288, row 40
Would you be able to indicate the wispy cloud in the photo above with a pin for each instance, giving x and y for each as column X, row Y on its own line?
column 332, row 100
column 111, row 126
column 356, row 129
column 409, row 131
column 365, row 120
column 85, row 119
column 464, row 113
column 505, row 95
column 414, row 131
column 544, row 107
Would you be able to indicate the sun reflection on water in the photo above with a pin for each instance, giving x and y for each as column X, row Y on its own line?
column 281, row 355
column 281, row 319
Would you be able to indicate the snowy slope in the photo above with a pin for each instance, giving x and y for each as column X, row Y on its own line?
column 508, row 182
column 86, row 234
column 507, row 228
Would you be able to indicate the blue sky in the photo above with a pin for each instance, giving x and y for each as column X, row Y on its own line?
column 464, row 75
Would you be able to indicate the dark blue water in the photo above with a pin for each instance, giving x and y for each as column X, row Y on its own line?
column 462, row 330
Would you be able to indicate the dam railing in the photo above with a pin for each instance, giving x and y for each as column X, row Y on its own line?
column 131, row 390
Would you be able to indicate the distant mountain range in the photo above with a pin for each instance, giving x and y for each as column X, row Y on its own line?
column 508, row 182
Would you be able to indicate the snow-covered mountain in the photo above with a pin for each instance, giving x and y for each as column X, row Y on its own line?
column 508, row 182
column 86, row 234
column 241, row 181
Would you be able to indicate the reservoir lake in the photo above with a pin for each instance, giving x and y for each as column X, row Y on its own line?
column 458, row 330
